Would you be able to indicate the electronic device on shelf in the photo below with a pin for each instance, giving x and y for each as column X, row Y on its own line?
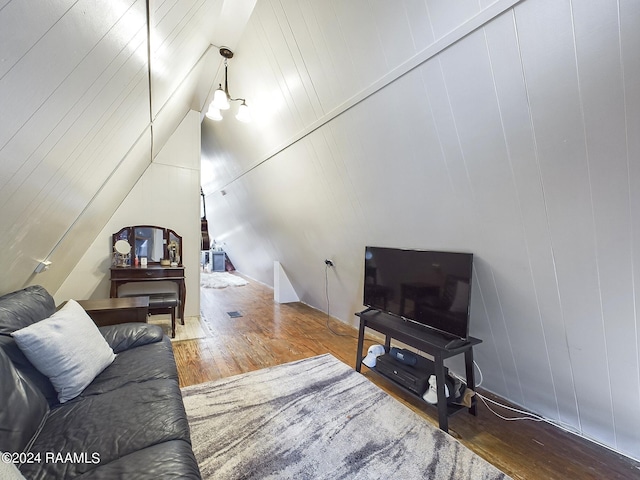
column 429, row 288
column 404, row 356
column 413, row 377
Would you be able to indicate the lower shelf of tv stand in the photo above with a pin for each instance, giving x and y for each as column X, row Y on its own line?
column 398, row 329
column 451, row 409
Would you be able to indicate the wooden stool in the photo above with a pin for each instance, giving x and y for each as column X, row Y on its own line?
column 161, row 303
column 165, row 303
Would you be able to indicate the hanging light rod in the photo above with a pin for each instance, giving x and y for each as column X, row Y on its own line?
column 222, row 98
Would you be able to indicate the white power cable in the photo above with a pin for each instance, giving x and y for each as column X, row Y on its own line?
column 528, row 415
column 326, row 293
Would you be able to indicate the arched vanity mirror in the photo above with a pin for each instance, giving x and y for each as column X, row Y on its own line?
column 158, row 245
column 158, row 252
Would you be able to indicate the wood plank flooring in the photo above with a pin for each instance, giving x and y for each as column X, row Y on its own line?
column 270, row 334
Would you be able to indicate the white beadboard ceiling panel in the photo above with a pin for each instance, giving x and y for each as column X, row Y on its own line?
column 177, row 104
column 280, row 68
column 177, row 42
column 364, row 53
column 77, row 101
column 75, row 93
column 516, row 141
column 65, row 120
column 185, row 60
column 293, row 20
column 396, row 32
column 46, row 66
column 445, row 16
column 96, row 214
column 305, row 21
column 419, row 20
column 17, row 42
column 295, row 79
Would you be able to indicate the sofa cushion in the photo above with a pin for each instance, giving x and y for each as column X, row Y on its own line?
column 27, row 370
column 23, row 408
column 24, row 307
column 147, row 362
column 68, row 348
column 17, row 310
column 172, row 459
column 112, row 425
column 125, row 336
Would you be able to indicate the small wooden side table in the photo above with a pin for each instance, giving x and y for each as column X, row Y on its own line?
column 112, row 311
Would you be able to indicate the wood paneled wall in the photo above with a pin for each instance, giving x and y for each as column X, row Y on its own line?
column 90, row 93
column 507, row 129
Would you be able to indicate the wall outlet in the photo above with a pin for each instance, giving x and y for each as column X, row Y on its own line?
column 42, row 266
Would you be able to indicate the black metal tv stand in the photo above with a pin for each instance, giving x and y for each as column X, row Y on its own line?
column 427, row 341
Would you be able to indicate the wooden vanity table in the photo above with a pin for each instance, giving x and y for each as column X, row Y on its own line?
column 162, row 250
column 150, row 273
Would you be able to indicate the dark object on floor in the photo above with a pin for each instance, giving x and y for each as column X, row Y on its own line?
column 165, row 303
column 129, row 422
column 162, row 303
column 234, row 314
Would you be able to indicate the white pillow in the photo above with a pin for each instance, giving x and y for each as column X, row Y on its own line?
column 68, row 348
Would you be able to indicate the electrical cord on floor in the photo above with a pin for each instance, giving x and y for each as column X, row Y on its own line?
column 528, row 415
column 326, row 293
column 487, row 400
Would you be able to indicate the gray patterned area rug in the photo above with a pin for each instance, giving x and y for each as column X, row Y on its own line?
column 318, row 419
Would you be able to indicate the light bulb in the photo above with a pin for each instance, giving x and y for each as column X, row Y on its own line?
column 244, row 114
column 220, row 99
column 213, row 113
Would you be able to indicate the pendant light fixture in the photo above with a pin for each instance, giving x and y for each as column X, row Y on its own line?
column 221, row 98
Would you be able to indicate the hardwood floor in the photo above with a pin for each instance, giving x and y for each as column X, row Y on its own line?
column 269, row 334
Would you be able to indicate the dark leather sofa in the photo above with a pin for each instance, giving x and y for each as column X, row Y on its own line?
column 128, row 423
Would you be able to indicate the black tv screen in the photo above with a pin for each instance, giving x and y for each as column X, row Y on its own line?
column 427, row 287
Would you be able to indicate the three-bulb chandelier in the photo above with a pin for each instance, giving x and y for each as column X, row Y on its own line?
column 221, row 98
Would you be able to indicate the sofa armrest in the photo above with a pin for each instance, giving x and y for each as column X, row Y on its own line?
column 129, row 335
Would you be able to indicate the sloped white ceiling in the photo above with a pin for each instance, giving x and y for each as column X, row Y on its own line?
column 83, row 112
column 507, row 129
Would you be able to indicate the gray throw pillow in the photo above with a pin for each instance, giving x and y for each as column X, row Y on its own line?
column 68, row 348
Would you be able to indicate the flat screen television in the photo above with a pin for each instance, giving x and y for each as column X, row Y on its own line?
column 426, row 287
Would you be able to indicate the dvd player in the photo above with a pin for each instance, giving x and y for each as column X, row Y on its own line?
column 414, row 378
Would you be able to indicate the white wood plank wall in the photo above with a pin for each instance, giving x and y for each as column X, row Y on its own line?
column 74, row 100
column 78, row 128
column 518, row 142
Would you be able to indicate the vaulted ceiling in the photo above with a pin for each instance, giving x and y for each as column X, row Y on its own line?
column 89, row 94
